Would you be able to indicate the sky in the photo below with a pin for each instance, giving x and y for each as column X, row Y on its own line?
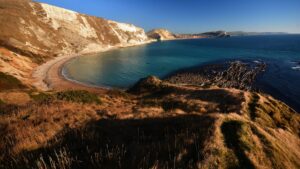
column 195, row 16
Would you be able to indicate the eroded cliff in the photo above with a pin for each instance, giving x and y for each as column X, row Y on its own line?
column 32, row 33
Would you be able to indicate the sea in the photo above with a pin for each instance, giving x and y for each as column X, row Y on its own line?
column 121, row 68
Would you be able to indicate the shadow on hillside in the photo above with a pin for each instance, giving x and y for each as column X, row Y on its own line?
column 175, row 142
column 226, row 101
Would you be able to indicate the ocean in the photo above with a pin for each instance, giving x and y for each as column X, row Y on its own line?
column 121, row 68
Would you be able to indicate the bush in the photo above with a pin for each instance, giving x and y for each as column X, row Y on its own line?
column 79, row 96
column 42, row 97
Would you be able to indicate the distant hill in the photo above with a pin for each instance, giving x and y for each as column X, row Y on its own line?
column 241, row 33
column 219, row 34
column 161, row 34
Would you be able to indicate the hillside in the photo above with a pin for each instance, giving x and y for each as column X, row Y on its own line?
column 32, row 33
column 218, row 34
column 164, row 34
column 205, row 118
column 161, row 34
column 242, row 33
column 155, row 125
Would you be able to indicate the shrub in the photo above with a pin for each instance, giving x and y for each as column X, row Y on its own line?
column 42, row 97
column 79, row 96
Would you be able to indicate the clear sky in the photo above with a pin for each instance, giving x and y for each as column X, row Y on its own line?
column 195, row 16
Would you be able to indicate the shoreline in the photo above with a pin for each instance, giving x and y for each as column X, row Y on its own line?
column 49, row 75
column 202, row 74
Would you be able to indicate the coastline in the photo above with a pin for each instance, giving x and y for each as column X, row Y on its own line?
column 217, row 73
column 49, row 75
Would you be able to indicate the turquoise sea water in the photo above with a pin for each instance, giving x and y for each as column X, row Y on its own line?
column 121, row 68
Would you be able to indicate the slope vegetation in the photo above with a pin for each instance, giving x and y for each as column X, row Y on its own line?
column 154, row 125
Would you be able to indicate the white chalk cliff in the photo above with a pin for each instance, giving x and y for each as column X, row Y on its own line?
column 38, row 29
column 32, row 33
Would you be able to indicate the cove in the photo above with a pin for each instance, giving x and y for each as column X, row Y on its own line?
column 121, row 68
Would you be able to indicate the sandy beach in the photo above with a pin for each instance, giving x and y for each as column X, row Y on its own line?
column 48, row 76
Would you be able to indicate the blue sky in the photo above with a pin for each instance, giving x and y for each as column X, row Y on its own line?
column 194, row 16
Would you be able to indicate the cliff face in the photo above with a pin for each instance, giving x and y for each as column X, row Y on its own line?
column 39, row 29
column 161, row 34
column 164, row 34
column 218, row 34
column 32, row 33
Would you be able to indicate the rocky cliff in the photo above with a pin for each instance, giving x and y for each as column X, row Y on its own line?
column 161, row 34
column 39, row 29
column 218, row 34
column 164, row 34
column 32, row 33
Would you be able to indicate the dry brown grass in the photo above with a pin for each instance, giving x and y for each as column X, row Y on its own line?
column 172, row 127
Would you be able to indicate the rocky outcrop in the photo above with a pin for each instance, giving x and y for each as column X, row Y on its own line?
column 164, row 34
column 236, row 74
column 217, row 34
column 161, row 34
column 151, row 83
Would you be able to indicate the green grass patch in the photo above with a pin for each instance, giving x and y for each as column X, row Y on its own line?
column 79, row 96
column 42, row 97
column 10, row 82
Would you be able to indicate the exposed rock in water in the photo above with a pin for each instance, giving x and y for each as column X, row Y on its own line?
column 236, row 74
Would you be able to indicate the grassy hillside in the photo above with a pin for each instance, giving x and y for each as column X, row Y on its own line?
column 156, row 125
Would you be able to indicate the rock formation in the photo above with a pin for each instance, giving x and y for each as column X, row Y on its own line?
column 235, row 74
column 161, row 34
column 164, row 34
column 218, row 34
